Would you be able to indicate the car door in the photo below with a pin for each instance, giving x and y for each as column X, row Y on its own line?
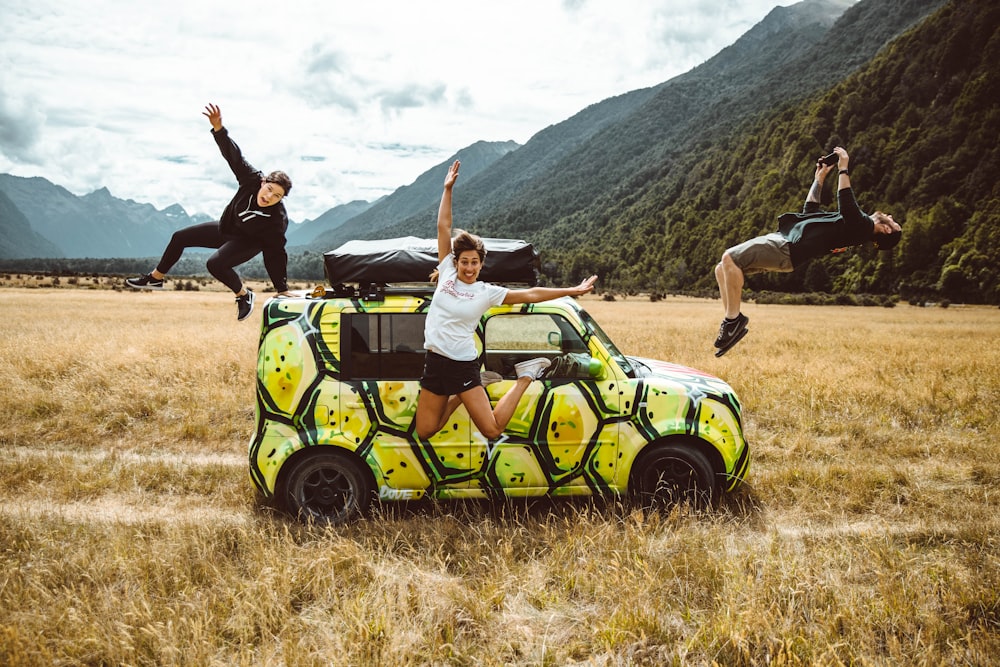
column 562, row 438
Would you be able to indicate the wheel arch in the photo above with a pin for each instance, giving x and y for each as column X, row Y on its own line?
column 715, row 459
column 289, row 464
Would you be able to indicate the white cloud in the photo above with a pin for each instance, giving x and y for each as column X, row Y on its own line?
column 21, row 122
column 351, row 99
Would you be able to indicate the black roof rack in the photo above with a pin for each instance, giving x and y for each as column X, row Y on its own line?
column 373, row 291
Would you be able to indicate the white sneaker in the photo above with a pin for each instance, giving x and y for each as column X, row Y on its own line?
column 533, row 368
column 489, row 377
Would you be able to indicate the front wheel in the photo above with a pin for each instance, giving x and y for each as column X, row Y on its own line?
column 673, row 474
column 327, row 487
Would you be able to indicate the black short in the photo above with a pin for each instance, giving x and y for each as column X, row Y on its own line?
column 447, row 377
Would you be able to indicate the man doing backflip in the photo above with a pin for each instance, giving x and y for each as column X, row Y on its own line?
column 800, row 237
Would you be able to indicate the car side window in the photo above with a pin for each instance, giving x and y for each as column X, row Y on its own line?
column 515, row 337
column 386, row 346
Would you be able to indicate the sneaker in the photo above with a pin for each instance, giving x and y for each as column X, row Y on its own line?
column 731, row 331
column 732, row 343
column 244, row 305
column 489, row 377
column 533, row 368
column 145, row 282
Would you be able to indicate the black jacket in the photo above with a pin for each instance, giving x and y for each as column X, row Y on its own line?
column 243, row 218
column 814, row 232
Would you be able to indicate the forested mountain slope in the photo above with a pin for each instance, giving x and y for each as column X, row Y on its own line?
column 920, row 123
column 659, row 221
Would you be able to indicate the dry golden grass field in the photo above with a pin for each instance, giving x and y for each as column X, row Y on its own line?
column 867, row 533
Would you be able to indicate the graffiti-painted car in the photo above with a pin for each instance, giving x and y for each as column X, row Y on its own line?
column 337, row 386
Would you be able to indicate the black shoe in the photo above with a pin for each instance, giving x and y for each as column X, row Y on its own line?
column 145, row 282
column 722, row 350
column 244, row 305
column 731, row 331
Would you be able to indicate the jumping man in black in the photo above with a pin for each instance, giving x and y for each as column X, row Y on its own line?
column 254, row 221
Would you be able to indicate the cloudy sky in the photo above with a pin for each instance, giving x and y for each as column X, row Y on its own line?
column 352, row 99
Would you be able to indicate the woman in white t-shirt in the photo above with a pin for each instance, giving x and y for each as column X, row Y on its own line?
column 451, row 371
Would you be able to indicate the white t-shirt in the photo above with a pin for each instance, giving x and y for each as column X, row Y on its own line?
column 450, row 327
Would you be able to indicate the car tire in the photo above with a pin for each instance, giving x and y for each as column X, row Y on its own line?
column 327, row 487
column 669, row 474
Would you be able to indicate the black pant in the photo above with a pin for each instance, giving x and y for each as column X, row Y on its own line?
column 231, row 252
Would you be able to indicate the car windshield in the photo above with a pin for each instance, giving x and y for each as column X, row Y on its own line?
column 619, row 358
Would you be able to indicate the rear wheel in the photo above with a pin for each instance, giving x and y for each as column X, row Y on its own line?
column 327, row 487
column 673, row 473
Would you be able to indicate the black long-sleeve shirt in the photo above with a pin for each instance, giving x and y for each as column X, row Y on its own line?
column 814, row 232
column 244, row 218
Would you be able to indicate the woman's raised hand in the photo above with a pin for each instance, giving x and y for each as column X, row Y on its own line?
column 452, row 176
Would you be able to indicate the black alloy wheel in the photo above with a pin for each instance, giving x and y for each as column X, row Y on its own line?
column 670, row 474
column 327, row 487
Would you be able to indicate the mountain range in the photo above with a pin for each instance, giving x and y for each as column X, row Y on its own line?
column 648, row 187
column 39, row 219
column 790, row 55
column 100, row 225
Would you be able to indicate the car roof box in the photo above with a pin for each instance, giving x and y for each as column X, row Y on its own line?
column 411, row 260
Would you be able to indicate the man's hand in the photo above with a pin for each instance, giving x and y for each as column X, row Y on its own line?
column 844, row 159
column 214, row 115
column 821, row 171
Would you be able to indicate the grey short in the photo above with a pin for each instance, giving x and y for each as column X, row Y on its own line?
column 764, row 253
